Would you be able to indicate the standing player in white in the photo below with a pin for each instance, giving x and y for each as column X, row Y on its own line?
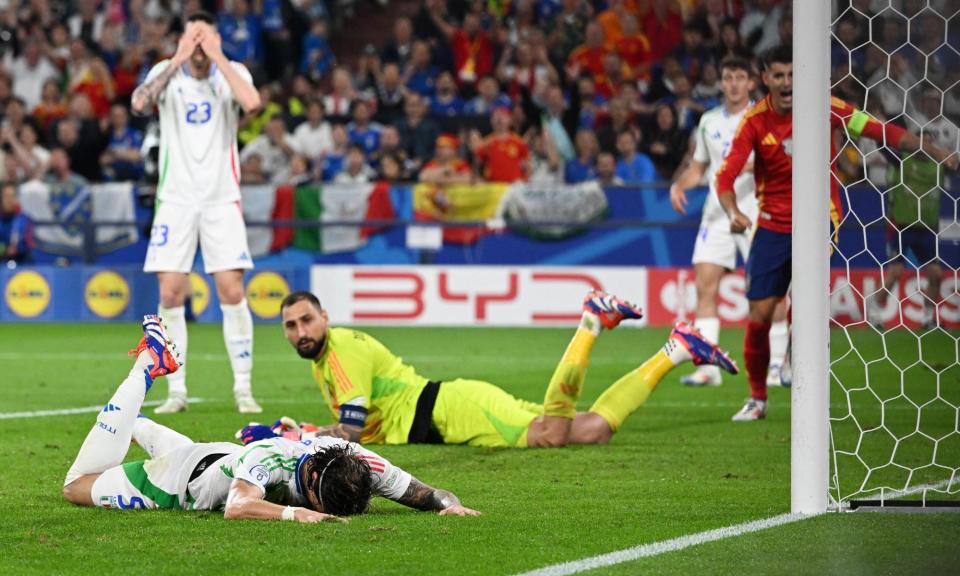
column 199, row 93
column 715, row 250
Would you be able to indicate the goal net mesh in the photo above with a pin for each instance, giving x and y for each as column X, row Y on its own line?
column 895, row 307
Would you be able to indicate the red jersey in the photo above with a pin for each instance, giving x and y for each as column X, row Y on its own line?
column 472, row 57
column 635, row 52
column 770, row 136
column 503, row 157
column 588, row 59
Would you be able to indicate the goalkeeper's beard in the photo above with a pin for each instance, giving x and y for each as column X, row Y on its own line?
column 310, row 348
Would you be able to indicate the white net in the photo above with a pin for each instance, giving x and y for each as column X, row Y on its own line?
column 895, row 375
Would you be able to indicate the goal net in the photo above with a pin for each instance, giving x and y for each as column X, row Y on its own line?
column 894, row 302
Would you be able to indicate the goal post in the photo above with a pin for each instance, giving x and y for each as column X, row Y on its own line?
column 810, row 396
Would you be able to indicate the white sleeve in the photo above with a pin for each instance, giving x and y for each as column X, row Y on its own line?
column 700, row 152
column 389, row 481
column 254, row 470
column 154, row 72
column 244, row 73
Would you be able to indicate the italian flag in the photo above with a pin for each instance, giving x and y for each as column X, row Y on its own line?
column 340, row 203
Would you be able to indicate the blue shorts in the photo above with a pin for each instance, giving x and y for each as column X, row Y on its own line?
column 915, row 245
column 769, row 264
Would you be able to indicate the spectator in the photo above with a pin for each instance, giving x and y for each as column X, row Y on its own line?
column 30, row 71
column 81, row 141
column 692, row 54
column 614, row 74
column 634, row 49
column 488, row 98
column 419, row 74
column 251, row 125
column 275, row 147
column 471, row 46
column 666, row 144
column 251, row 170
column 121, row 161
column 618, row 121
column 568, row 29
column 362, row 130
column 611, row 20
column 318, row 57
column 51, row 107
column 592, row 105
column 633, row 167
column 400, row 49
column 340, row 99
column 503, row 155
column 314, row 137
column 546, row 166
column 417, row 132
column 530, row 72
column 277, row 21
column 15, row 115
column 6, row 90
column 58, row 51
column 446, row 101
column 32, row 159
column 240, row 34
column 89, row 76
column 87, row 24
column 688, row 109
column 759, row 26
column 60, row 177
column 446, row 168
column 583, row 166
column 333, row 161
column 389, row 95
column 391, row 169
column 15, row 227
column 126, row 74
column 588, row 57
column 390, row 146
column 730, row 45
column 707, row 91
column 368, row 71
column 560, row 120
column 355, row 169
column 301, row 91
column 663, row 26
column 607, row 170
column 298, row 173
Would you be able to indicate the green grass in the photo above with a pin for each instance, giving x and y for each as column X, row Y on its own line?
column 677, row 467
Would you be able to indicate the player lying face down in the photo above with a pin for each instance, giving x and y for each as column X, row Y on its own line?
column 312, row 480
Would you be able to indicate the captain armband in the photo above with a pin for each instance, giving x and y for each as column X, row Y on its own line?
column 353, row 415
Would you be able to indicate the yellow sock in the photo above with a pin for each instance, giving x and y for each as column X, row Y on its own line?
column 629, row 392
column 567, row 381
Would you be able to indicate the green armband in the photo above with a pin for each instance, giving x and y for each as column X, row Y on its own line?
column 857, row 123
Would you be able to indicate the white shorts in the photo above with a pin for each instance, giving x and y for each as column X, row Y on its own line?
column 219, row 228
column 155, row 483
column 717, row 245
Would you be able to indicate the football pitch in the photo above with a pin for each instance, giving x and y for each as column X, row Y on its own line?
column 678, row 468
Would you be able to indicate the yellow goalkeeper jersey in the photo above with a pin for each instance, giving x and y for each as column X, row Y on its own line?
column 365, row 384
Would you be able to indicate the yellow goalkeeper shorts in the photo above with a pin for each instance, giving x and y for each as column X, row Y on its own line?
column 480, row 414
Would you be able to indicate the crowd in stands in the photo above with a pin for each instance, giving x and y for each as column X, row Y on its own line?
column 461, row 91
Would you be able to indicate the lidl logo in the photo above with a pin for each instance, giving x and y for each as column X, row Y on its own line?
column 265, row 291
column 27, row 294
column 107, row 294
column 199, row 293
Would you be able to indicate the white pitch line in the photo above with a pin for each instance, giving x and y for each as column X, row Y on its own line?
column 68, row 411
column 656, row 548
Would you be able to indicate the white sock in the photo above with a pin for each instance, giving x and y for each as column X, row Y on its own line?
column 176, row 323
column 710, row 328
column 156, row 438
column 107, row 442
column 238, row 337
column 779, row 334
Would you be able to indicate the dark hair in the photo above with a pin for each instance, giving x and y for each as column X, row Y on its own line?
column 202, row 16
column 782, row 54
column 735, row 63
column 341, row 481
column 299, row 296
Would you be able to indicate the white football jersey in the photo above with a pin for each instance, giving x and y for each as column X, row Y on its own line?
column 199, row 118
column 272, row 466
column 714, row 137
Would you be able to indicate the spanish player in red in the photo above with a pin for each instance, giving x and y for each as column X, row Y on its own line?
column 767, row 131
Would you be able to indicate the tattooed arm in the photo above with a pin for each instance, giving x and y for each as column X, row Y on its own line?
column 344, row 431
column 146, row 95
column 423, row 497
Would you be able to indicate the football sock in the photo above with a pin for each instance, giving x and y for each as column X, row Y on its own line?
column 632, row 390
column 176, row 323
column 567, row 381
column 710, row 328
column 238, row 337
column 756, row 355
column 107, row 442
column 156, row 438
column 779, row 333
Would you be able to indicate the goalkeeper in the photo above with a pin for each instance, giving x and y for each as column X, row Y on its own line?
column 380, row 400
column 313, row 480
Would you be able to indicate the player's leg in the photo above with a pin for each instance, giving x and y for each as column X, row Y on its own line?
column 623, row 397
column 107, row 442
column 173, row 291
column 779, row 338
column 600, row 311
column 156, row 438
column 478, row 413
column 876, row 305
column 708, row 277
column 223, row 240
column 934, row 274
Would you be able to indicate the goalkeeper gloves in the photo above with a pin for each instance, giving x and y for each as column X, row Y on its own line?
column 285, row 427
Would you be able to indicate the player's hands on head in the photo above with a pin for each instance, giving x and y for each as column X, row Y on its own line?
column 187, row 43
column 210, row 42
column 458, row 510
column 678, row 199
